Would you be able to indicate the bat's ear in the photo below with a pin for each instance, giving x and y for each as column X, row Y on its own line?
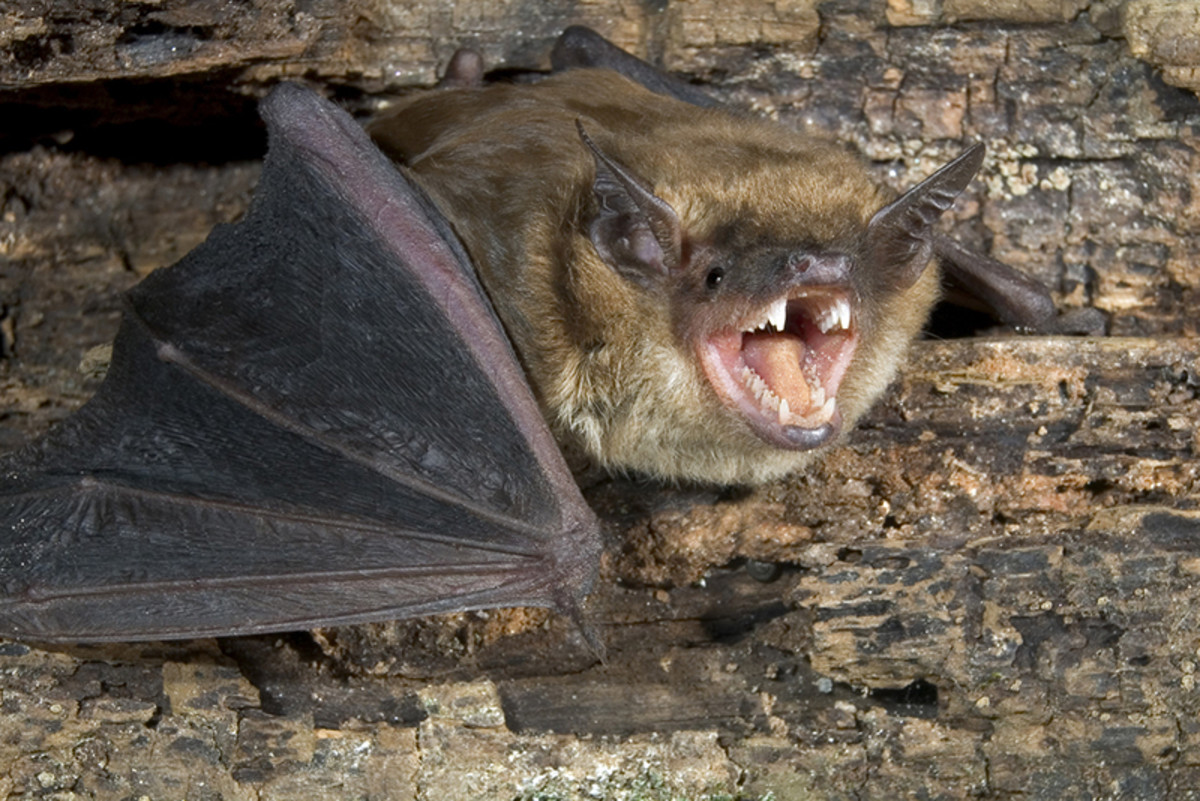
column 635, row 231
column 900, row 235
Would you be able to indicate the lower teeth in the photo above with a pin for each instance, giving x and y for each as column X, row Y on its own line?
column 817, row 398
column 820, row 408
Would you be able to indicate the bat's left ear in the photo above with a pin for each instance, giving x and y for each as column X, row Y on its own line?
column 635, row 231
column 900, row 235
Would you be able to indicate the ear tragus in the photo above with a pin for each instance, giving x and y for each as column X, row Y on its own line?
column 900, row 235
column 634, row 231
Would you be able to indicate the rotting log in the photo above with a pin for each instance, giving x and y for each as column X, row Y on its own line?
column 996, row 581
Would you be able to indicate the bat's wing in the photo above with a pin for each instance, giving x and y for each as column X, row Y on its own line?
column 1012, row 297
column 315, row 418
column 580, row 46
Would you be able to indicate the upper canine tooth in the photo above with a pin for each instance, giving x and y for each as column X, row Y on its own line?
column 777, row 314
column 843, row 307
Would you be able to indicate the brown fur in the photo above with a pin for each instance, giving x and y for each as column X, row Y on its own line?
column 612, row 374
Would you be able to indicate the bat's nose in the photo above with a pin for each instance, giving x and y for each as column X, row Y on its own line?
column 817, row 269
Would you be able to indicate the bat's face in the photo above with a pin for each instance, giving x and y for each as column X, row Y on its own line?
column 788, row 308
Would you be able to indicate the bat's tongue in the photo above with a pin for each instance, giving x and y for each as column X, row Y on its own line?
column 778, row 360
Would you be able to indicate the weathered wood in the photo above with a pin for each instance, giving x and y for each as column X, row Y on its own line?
column 945, row 603
column 988, row 589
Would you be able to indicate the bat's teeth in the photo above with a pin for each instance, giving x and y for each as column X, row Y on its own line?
column 777, row 314
column 753, row 382
column 833, row 316
column 843, row 307
column 770, row 399
column 826, row 413
column 762, row 391
column 820, row 404
column 814, row 382
column 827, row 318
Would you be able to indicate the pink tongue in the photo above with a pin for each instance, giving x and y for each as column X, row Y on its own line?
column 776, row 358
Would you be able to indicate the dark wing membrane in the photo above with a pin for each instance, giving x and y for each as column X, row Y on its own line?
column 314, row 418
column 581, row 47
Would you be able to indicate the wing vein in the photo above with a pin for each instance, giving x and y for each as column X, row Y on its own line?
column 218, row 582
column 172, row 354
column 353, row 524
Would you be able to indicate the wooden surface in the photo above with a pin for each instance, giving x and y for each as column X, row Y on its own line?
column 988, row 590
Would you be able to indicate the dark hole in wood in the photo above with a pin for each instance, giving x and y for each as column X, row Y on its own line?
column 949, row 321
column 732, row 628
column 193, row 120
column 917, row 700
column 849, row 555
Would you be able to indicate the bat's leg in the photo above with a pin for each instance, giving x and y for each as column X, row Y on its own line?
column 1011, row 296
column 582, row 47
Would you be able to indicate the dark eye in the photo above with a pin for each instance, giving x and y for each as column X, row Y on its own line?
column 715, row 277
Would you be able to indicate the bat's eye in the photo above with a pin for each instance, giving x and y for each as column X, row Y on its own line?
column 715, row 277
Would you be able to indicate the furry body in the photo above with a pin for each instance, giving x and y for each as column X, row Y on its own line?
column 613, row 362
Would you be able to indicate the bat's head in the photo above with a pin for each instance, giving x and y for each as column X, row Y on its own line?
column 793, row 302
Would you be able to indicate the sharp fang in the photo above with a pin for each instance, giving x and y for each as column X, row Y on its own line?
column 784, row 412
column 777, row 314
column 843, row 308
column 827, row 410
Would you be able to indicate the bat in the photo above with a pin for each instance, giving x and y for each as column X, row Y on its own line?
column 317, row 417
column 694, row 294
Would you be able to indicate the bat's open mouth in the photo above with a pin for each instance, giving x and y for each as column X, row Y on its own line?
column 781, row 366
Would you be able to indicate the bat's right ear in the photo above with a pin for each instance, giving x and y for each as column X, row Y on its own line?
column 636, row 232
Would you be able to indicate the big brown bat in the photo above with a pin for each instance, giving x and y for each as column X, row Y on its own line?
column 694, row 294
column 317, row 418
